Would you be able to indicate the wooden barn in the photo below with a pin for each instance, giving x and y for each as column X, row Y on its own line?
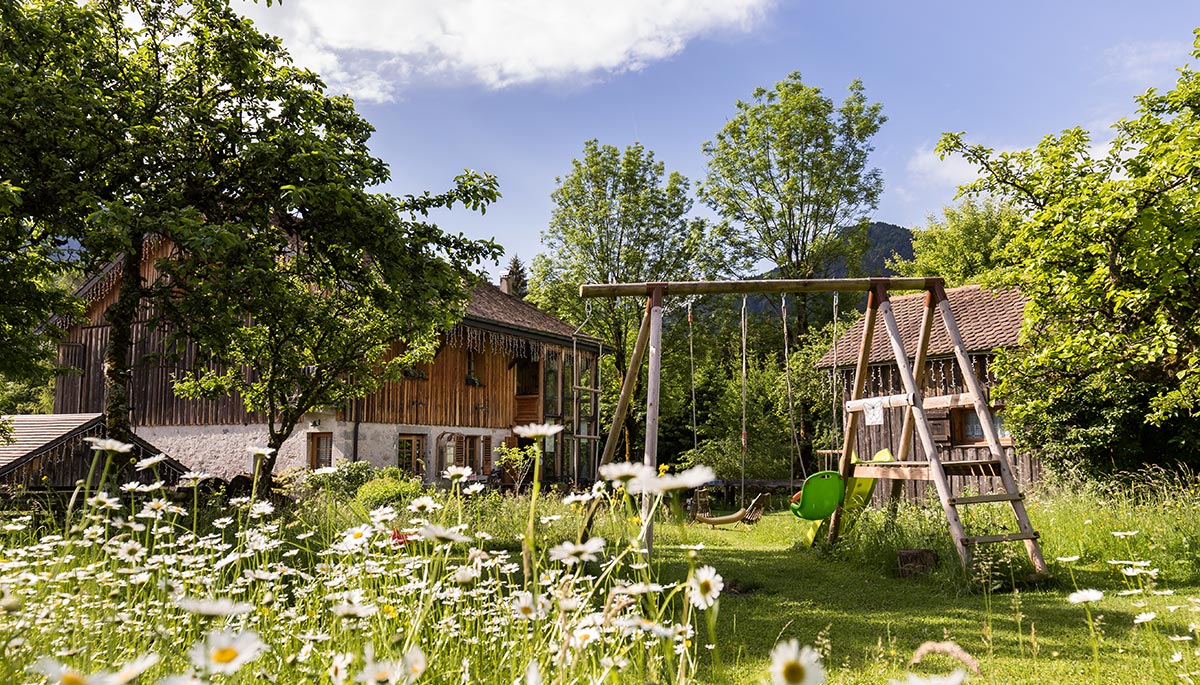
column 507, row 363
column 51, row 451
column 988, row 320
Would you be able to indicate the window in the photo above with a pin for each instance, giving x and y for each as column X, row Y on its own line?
column 967, row 428
column 470, row 453
column 550, row 393
column 528, row 376
column 410, row 454
column 320, row 450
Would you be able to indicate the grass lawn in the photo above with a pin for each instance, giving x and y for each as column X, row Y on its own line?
column 869, row 623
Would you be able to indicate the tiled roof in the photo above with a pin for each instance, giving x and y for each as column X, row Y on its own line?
column 987, row 319
column 33, row 431
column 490, row 304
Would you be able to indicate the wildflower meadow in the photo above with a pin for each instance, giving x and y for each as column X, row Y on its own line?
column 464, row 585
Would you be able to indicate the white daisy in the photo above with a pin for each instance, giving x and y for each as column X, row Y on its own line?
column 106, row 445
column 1144, row 617
column 222, row 606
column 474, row 489
column 225, row 651
column 424, row 505
column 622, row 472
column 537, row 430
column 1082, row 596
column 704, row 587
column 438, row 533
column 570, row 553
column 456, row 473
column 792, row 664
column 143, row 464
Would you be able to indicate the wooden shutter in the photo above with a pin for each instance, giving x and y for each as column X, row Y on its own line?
column 460, row 451
column 486, row 463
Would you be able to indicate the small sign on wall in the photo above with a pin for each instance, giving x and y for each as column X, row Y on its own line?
column 873, row 412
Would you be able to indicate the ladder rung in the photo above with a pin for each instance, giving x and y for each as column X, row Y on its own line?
column 985, row 539
column 979, row 499
column 586, row 389
column 587, row 437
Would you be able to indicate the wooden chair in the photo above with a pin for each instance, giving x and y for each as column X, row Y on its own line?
column 755, row 511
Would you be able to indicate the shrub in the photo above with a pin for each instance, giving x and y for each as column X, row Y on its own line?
column 345, row 481
column 394, row 491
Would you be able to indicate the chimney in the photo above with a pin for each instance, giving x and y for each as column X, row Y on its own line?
column 506, row 284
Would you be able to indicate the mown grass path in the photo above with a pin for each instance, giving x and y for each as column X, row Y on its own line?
column 870, row 623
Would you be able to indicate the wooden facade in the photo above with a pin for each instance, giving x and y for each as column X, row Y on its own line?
column 505, row 364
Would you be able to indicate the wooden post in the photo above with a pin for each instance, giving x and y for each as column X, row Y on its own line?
column 653, row 384
column 860, row 379
column 958, row 533
column 919, row 376
column 984, row 412
column 631, row 375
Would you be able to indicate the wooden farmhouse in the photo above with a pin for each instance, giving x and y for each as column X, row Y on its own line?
column 505, row 364
column 988, row 320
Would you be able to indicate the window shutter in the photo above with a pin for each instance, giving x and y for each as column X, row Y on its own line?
column 486, row 465
column 460, row 452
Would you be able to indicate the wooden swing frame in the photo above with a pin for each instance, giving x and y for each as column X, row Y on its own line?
column 913, row 401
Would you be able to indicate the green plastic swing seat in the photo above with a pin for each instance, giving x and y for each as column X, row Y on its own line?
column 820, row 496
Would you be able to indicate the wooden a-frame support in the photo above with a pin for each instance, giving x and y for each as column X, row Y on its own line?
column 913, row 401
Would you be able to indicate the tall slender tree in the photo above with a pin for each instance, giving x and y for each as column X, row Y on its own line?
column 789, row 172
column 617, row 217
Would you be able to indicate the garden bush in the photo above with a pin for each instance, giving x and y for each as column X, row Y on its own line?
column 394, row 491
column 344, row 481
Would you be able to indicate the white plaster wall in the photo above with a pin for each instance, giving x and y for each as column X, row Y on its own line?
column 221, row 450
column 377, row 441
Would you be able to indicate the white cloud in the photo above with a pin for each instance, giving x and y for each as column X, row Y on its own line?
column 926, row 168
column 371, row 48
column 1146, row 63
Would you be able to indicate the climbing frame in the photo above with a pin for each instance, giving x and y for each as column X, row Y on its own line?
column 912, row 400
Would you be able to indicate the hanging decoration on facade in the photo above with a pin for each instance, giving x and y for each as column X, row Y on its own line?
column 479, row 340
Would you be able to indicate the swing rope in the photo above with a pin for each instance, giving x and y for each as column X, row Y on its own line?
column 742, row 498
column 692, row 361
column 787, row 374
column 836, row 412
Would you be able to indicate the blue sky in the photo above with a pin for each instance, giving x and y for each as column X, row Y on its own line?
column 515, row 87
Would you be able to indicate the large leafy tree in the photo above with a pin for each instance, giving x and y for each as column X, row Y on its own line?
column 192, row 130
column 617, row 217
column 1109, row 255
column 790, row 173
column 964, row 245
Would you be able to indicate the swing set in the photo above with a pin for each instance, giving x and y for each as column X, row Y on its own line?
column 831, row 495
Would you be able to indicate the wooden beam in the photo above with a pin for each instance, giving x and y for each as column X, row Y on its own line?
column 653, row 384
column 885, row 401
column 922, row 426
column 821, row 285
column 984, row 412
column 860, row 379
column 919, row 376
column 627, row 385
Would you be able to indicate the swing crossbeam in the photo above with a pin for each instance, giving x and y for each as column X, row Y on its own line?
column 912, row 401
column 809, row 285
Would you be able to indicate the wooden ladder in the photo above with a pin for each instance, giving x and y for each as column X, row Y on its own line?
column 933, row 469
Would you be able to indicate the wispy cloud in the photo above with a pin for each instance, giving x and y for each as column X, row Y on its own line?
column 1146, row 63
column 926, row 168
column 372, row 48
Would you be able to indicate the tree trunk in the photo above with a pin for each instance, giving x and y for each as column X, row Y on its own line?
column 118, row 367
